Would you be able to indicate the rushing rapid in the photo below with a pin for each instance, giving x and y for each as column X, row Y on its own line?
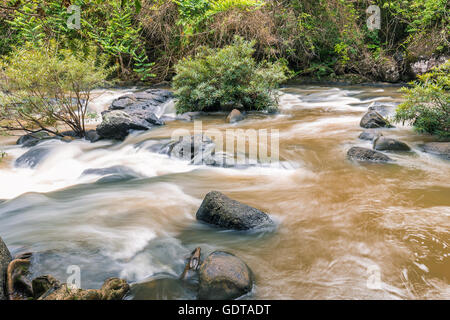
column 339, row 223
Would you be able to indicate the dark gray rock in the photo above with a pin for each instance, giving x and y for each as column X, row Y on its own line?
column 32, row 157
column 5, row 259
column 219, row 210
column 367, row 155
column 387, row 144
column 373, row 119
column 32, row 139
column 117, row 125
column 441, row 149
column 113, row 174
column 136, row 111
column 150, row 97
column 92, row 136
column 370, row 135
column 223, row 276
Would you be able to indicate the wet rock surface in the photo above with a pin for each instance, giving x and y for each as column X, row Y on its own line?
column 219, row 210
column 112, row 289
column 18, row 285
column 372, row 119
column 441, row 149
column 136, row 111
column 370, row 135
column 5, row 259
column 223, row 276
column 235, row 116
column 118, row 124
column 163, row 287
column 32, row 139
column 388, row 144
column 32, row 157
column 366, row 155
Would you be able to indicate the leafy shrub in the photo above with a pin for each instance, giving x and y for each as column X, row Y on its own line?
column 427, row 105
column 42, row 88
column 220, row 79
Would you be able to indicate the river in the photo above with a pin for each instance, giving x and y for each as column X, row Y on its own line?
column 344, row 230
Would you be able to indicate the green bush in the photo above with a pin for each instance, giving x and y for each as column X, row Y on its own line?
column 42, row 88
column 226, row 78
column 427, row 105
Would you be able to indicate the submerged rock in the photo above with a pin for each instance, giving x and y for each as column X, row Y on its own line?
column 441, row 149
column 235, row 116
column 32, row 157
column 223, row 276
column 112, row 174
column 373, row 119
column 387, row 144
column 43, row 284
column 367, row 155
column 112, row 289
column 224, row 212
column 5, row 259
column 370, row 135
column 164, row 287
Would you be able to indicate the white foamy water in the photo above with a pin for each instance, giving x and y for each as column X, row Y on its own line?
column 335, row 219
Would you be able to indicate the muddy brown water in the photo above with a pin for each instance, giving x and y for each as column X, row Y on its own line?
column 344, row 230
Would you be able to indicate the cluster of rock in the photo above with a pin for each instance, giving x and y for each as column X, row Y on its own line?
column 221, row 275
column 136, row 111
column 373, row 120
column 15, row 284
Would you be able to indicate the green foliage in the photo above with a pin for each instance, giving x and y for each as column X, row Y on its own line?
column 194, row 13
column 220, row 79
column 427, row 105
column 44, row 87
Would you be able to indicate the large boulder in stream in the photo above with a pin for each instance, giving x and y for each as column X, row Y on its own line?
column 118, row 124
column 136, row 111
column 5, row 259
column 367, row 155
column 441, row 149
column 219, row 210
column 372, row 119
column 388, row 144
column 223, row 276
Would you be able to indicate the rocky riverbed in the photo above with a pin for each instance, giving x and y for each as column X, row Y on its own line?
column 350, row 191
